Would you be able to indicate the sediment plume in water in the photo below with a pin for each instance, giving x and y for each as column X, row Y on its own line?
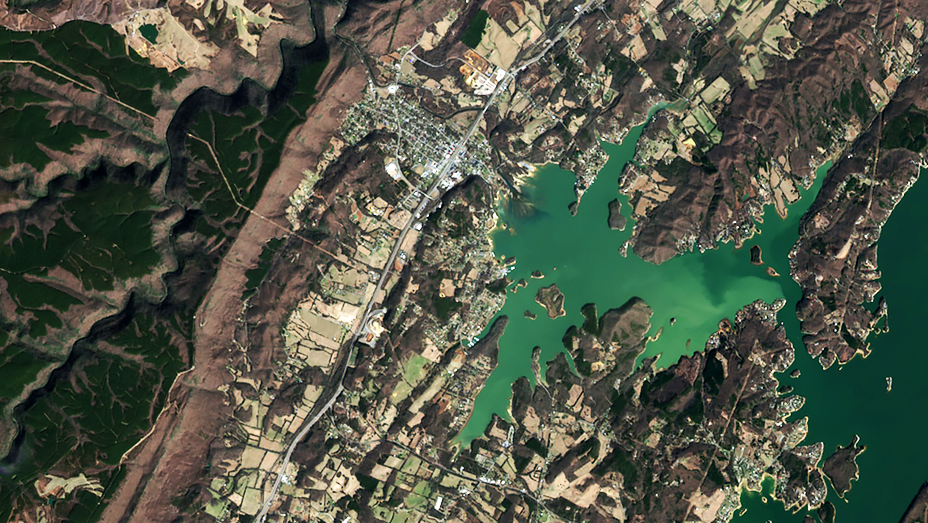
column 520, row 207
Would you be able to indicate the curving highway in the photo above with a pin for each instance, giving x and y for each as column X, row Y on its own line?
column 428, row 198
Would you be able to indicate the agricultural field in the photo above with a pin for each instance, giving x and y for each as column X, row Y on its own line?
column 110, row 233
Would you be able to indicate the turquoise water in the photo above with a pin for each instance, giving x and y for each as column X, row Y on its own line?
column 581, row 255
column 852, row 400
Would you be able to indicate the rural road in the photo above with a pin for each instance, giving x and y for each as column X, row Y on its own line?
column 385, row 274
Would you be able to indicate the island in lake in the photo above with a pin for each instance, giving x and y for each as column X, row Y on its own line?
column 616, row 221
column 552, row 299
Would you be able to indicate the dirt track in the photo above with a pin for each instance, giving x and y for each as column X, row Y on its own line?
column 174, row 455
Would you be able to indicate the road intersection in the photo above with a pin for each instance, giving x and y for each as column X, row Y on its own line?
column 432, row 195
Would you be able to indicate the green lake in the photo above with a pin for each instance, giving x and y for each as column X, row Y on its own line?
column 581, row 254
column 852, row 399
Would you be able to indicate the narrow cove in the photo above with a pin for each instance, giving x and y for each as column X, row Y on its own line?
column 581, row 255
column 849, row 400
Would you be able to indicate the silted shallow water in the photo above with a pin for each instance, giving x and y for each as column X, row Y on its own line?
column 581, row 255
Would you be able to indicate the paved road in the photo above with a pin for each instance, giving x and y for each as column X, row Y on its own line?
column 580, row 12
column 384, row 276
